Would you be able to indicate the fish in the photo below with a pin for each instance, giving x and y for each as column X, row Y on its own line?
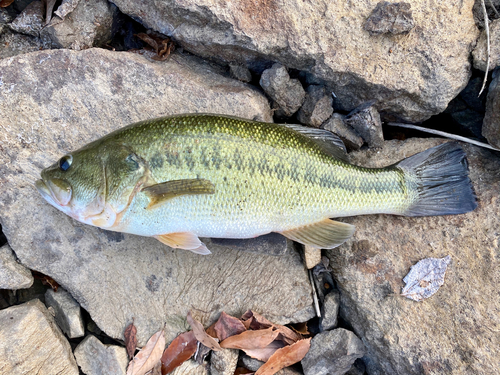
column 183, row 177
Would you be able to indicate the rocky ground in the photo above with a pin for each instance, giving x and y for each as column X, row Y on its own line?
column 74, row 71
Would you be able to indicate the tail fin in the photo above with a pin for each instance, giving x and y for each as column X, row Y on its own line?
column 441, row 178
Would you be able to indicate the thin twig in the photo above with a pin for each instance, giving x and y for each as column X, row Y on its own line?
column 315, row 295
column 443, row 134
column 494, row 9
column 487, row 27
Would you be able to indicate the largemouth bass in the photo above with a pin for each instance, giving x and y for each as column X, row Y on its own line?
column 183, row 177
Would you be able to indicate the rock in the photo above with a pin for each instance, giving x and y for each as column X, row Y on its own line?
column 88, row 25
column 317, row 107
column 67, row 312
column 240, row 72
column 30, row 21
column 12, row 44
column 366, row 121
column 480, row 52
column 13, row 275
column 288, row 94
column 492, row 7
column 269, row 244
column 491, row 121
column 115, row 276
column 336, row 124
column 95, row 358
column 330, row 310
column 224, row 362
column 393, row 18
column 358, row 368
column 415, row 75
column 190, row 367
column 31, row 342
column 407, row 337
column 332, row 353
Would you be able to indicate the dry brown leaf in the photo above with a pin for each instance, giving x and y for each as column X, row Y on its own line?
column 5, row 3
column 285, row 357
column 130, row 339
column 228, row 326
column 46, row 280
column 201, row 335
column 243, row 371
column 148, row 356
column 180, row 350
column 211, row 331
column 288, row 335
column 256, row 321
column 251, row 339
column 265, row 353
column 301, row 329
column 156, row 370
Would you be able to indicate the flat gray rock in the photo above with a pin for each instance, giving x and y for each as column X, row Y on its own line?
column 56, row 101
column 12, row 274
column 67, row 311
column 415, row 74
column 407, row 337
column 95, row 358
column 31, row 342
column 317, row 107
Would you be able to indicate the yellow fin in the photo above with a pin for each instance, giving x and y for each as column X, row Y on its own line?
column 160, row 193
column 184, row 240
column 325, row 234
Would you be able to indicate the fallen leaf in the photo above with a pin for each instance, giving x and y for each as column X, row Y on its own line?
column 5, row 3
column 211, row 331
column 287, row 335
column 228, row 326
column 148, row 356
column 156, row 370
column 255, row 321
column 201, row 335
column 243, row 371
column 180, row 350
column 163, row 46
column 46, row 280
column 265, row 353
column 301, row 329
column 425, row 278
column 251, row 339
column 285, row 357
column 130, row 339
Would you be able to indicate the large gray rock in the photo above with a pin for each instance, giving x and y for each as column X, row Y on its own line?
column 12, row 274
column 413, row 76
column 456, row 330
column 31, row 342
column 67, row 311
column 95, row 358
column 56, row 101
column 491, row 121
column 332, row 353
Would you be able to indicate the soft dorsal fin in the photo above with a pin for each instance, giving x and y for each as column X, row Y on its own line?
column 164, row 191
column 184, row 240
column 325, row 234
column 329, row 142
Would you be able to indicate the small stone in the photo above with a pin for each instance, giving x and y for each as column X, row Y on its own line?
column 190, row 367
column 31, row 342
column 312, row 256
column 287, row 94
column 394, row 18
column 89, row 25
column 366, row 121
column 95, row 358
column 332, row 353
column 330, row 310
column 349, row 136
column 224, row 362
column 491, row 121
column 67, row 312
column 30, row 21
column 13, row 275
column 240, row 72
column 480, row 52
column 317, row 107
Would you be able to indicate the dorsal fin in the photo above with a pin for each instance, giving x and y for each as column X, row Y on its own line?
column 329, row 142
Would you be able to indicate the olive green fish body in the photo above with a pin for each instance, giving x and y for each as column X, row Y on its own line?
column 217, row 176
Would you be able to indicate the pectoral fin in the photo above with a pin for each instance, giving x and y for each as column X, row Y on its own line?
column 325, row 234
column 160, row 193
column 184, row 240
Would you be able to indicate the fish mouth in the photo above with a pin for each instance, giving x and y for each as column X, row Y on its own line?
column 59, row 197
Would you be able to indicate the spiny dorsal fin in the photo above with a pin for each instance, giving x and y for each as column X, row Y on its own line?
column 184, row 240
column 325, row 234
column 160, row 193
column 329, row 142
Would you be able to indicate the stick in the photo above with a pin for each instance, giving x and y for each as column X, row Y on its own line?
column 443, row 134
column 315, row 295
column 487, row 27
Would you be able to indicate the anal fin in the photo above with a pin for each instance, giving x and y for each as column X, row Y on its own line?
column 184, row 240
column 325, row 234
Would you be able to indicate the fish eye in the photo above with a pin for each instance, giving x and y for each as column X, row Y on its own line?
column 65, row 162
